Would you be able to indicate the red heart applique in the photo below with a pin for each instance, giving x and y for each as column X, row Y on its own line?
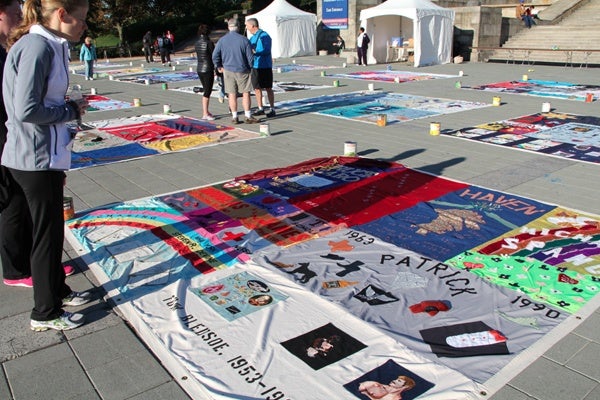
column 470, row 265
column 567, row 279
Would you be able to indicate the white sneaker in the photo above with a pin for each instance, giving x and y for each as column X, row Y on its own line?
column 91, row 79
column 87, row 79
column 208, row 118
column 77, row 299
column 63, row 323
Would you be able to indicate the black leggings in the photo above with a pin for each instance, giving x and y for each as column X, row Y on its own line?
column 38, row 197
column 206, row 79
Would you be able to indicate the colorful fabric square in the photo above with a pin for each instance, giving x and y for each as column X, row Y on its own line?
column 314, row 176
column 368, row 106
column 103, row 103
column 452, row 223
column 559, row 287
column 563, row 238
column 571, row 136
column 402, row 292
column 110, row 140
column 323, row 346
column 300, row 67
column 169, row 229
column 238, row 295
column 391, row 76
column 541, row 88
column 389, row 379
column 367, row 200
column 109, row 155
column 465, row 340
column 161, row 77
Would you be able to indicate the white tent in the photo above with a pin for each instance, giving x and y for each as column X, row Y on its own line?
column 430, row 25
column 293, row 31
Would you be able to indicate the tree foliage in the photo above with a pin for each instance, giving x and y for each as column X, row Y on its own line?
column 116, row 16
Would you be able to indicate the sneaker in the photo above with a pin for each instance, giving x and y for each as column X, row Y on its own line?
column 208, row 117
column 25, row 282
column 77, row 299
column 271, row 113
column 259, row 112
column 91, row 79
column 235, row 121
column 69, row 270
column 251, row 120
column 63, row 323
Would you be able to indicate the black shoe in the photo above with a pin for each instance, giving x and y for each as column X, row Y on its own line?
column 271, row 113
column 235, row 121
column 259, row 112
column 251, row 120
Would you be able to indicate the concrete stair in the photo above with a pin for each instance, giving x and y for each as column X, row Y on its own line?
column 579, row 30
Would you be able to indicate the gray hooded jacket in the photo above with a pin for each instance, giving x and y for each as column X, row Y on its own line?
column 36, row 78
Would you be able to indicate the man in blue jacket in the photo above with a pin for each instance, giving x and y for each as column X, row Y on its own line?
column 262, row 69
column 233, row 58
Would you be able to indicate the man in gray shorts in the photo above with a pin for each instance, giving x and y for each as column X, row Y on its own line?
column 233, row 57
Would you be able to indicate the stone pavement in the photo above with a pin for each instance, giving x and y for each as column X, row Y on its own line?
column 105, row 359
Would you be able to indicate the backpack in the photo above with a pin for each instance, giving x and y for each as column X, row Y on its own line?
column 166, row 42
column 366, row 39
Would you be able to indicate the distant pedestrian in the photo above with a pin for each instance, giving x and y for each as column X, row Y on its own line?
column 87, row 54
column 148, row 50
column 164, row 49
column 339, row 45
column 206, row 70
column 362, row 45
column 37, row 150
column 233, row 57
column 262, row 68
column 171, row 38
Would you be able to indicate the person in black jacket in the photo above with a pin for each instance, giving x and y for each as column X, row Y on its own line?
column 206, row 69
column 147, row 42
column 164, row 49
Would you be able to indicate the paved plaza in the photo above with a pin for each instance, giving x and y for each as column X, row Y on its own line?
column 105, row 359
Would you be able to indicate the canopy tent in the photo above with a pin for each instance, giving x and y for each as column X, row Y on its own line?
column 430, row 25
column 293, row 31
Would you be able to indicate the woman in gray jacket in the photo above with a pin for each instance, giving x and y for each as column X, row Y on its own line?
column 37, row 149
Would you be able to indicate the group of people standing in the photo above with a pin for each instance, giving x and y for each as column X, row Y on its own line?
column 241, row 65
column 35, row 142
column 164, row 44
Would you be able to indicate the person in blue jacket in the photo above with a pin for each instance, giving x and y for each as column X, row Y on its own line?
column 262, row 67
column 88, row 56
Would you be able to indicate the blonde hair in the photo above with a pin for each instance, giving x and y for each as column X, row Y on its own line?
column 39, row 12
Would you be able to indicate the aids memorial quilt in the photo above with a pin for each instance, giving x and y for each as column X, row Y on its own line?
column 368, row 106
column 121, row 71
column 552, row 89
column 278, row 87
column 103, row 103
column 283, row 68
column 122, row 139
column 363, row 277
column 160, row 77
column 391, row 76
column 571, row 136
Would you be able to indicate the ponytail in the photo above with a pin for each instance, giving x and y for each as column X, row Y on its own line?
column 39, row 12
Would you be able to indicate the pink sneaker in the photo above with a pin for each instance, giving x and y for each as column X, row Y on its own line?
column 69, row 270
column 25, row 282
